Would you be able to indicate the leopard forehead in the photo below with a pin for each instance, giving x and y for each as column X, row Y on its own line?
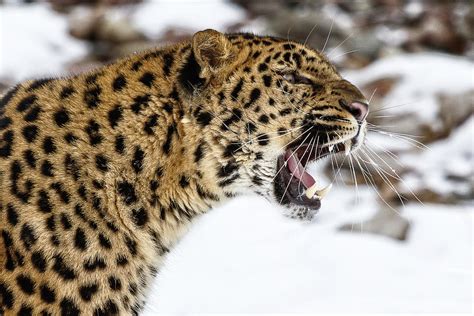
column 283, row 53
column 101, row 172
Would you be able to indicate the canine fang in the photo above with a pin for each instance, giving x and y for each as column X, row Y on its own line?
column 321, row 193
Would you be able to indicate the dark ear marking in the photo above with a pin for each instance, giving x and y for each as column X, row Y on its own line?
column 189, row 75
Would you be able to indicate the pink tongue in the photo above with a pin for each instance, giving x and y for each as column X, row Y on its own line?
column 297, row 170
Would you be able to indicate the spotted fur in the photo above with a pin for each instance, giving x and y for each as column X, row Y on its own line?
column 100, row 173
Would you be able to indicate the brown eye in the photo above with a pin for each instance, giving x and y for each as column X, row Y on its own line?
column 294, row 78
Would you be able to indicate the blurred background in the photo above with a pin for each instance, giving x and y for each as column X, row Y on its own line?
column 396, row 232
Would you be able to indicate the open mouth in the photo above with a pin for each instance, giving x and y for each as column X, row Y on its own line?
column 293, row 184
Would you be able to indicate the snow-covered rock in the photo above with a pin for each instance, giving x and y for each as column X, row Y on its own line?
column 445, row 168
column 412, row 104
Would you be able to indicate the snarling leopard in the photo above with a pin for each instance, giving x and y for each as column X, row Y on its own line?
column 102, row 172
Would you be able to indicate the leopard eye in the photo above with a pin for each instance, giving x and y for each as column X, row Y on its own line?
column 294, row 78
column 290, row 77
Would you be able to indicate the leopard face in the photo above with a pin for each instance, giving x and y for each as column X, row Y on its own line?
column 280, row 105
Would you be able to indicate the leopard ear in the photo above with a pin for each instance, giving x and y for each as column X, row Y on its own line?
column 213, row 52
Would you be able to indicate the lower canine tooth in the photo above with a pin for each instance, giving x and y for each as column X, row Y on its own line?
column 322, row 193
column 311, row 191
column 347, row 146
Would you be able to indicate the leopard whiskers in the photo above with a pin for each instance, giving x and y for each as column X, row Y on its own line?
column 374, row 159
column 327, row 38
column 309, row 34
column 373, row 126
column 383, row 116
column 339, row 45
column 378, row 129
column 383, row 176
column 395, row 174
column 346, row 53
column 402, row 137
column 381, row 128
column 310, row 147
column 293, row 153
column 339, row 167
column 365, row 176
column 288, row 34
column 292, row 175
column 352, row 169
column 387, row 107
column 389, row 153
column 315, row 147
column 371, row 96
column 293, row 140
column 368, row 177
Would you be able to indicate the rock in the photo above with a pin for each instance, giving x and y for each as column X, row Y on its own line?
column 386, row 222
column 4, row 86
column 454, row 109
column 437, row 29
column 413, row 98
column 175, row 35
column 95, row 25
column 443, row 173
column 410, row 110
column 264, row 8
column 64, row 4
column 110, row 35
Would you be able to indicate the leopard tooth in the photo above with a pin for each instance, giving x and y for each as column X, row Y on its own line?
column 311, row 191
column 331, row 147
column 347, row 147
column 322, row 193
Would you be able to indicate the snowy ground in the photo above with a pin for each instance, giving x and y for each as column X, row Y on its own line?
column 245, row 256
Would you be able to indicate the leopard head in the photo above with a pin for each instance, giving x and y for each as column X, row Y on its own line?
column 273, row 106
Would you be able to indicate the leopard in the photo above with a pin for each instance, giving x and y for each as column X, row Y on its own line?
column 102, row 172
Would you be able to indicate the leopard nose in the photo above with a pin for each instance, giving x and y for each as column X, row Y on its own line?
column 359, row 110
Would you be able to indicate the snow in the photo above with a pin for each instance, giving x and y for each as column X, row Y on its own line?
column 422, row 77
column 245, row 257
column 154, row 17
column 41, row 47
